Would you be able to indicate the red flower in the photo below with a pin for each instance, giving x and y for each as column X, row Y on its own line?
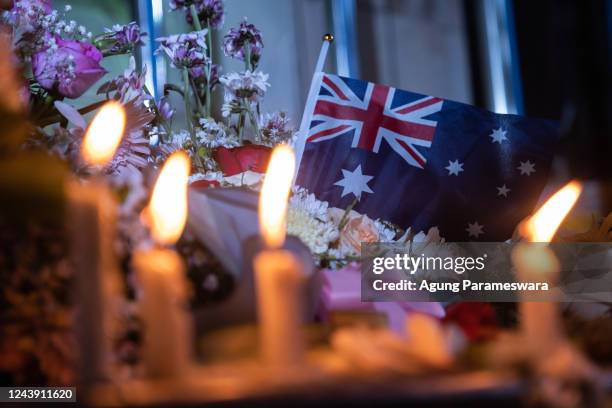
column 477, row 320
column 240, row 159
column 205, row 183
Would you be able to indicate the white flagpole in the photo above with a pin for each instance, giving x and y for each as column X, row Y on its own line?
column 312, row 93
column 327, row 39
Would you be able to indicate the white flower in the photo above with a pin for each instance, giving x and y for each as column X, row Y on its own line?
column 308, row 219
column 180, row 137
column 301, row 198
column 248, row 178
column 314, row 233
column 245, row 85
column 212, row 134
column 385, row 234
column 209, row 176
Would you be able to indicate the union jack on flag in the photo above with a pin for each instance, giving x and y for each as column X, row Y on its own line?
column 420, row 161
column 373, row 118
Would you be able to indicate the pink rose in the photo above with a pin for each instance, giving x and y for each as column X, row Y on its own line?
column 69, row 70
column 359, row 228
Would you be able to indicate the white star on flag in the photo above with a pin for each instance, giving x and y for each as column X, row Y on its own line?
column 503, row 191
column 526, row 168
column 498, row 135
column 354, row 182
column 475, row 229
column 454, row 168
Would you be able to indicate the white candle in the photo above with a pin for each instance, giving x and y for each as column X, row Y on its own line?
column 540, row 320
column 280, row 283
column 91, row 220
column 91, row 213
column 536, row 262
column 168, row 333
column 279, row 276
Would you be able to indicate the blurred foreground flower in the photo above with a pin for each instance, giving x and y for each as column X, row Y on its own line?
column 477, row 320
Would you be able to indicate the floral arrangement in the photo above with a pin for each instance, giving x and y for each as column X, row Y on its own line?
column 64, row 60
column 60, row 60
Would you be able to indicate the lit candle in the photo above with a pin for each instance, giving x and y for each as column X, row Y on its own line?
column 536, row 262
column 91, row 220
column 279, row 275
column 168, row 333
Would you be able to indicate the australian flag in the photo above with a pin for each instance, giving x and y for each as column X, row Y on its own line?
column 420, row 161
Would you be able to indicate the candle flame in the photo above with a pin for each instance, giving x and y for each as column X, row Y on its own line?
column 274, row 195
column 167, row 211
column 104, row 134
column 543, row 225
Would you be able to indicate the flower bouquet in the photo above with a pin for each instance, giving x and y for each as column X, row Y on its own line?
column 229, row 145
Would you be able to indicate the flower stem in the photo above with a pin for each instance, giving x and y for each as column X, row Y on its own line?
column 195, row 18
column 188, row 118
column 162, row 121
column 247, row 56
column 186, row 99
column 208, row 89
column 252, row 118
column 344, row 220
column 197, row 96
column 241, row 127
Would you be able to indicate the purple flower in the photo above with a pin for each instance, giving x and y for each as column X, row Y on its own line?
column 198, row 73
column 275, row 128
column 210, row 12
column 68, row 67
column 120, row 39
column 185, row 50
column 235, row 42
column 129, row 86
column 33, row 22
column 165, row 109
